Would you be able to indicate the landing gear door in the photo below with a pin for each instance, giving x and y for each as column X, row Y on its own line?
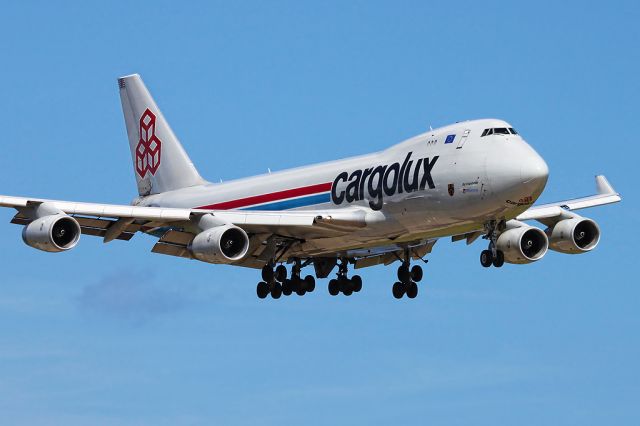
column 463, row 138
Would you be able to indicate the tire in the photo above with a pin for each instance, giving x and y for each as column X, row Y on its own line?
column 344, row 284
column 287, row 287
column 267, row 273
column 499, row 260
column 404, row 275
column 486, row 258
column 295, row 283
column 262, row 289
column 334, row 287
column 412, row 290
column 398, row 290
column 276, row 291
column 416, row 273
column 347, row 292
column 281, row 273
column 356, row 280
column 309, row 283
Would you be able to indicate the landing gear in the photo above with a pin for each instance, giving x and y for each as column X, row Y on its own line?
column 262, row 289
column 398, row 290
column 498, row 260
column 416, row 273
column 276, row 291
column 281, row 273
column 408, row 277
column 343, row 284
column 486, row 258
column 276, row 283
column 412, row 290
column 492, row 256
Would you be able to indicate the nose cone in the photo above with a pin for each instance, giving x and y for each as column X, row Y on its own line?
column 534, row 172
column 517, row 174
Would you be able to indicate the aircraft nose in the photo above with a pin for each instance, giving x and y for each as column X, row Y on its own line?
column 534, row 172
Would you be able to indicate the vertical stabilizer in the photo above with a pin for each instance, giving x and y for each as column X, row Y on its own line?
column 160, row 163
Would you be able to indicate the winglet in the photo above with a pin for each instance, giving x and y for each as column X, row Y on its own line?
column 603, row 186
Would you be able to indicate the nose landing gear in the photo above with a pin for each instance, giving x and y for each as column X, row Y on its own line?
column 492, row 256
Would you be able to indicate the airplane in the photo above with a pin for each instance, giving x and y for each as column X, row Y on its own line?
column 468, row 180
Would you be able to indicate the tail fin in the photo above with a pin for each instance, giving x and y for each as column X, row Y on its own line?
column 160, row 162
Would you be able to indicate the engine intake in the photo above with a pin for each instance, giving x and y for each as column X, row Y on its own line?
column 52, row 233
column 221, row 244
column 574, row 236
column 525, row 244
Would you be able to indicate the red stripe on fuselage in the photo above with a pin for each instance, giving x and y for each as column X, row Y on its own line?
column 274, row 196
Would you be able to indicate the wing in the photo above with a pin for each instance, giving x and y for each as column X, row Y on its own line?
column 551, row 213
column 176, row 229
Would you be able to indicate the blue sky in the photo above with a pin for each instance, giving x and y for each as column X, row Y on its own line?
column 112, row 334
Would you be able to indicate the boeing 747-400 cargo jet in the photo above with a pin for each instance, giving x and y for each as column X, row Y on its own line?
column 468, row 180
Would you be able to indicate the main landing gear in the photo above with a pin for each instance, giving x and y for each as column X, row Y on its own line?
column 344, row 284
column 407, row 280
column 492, row 256
column 276, row 283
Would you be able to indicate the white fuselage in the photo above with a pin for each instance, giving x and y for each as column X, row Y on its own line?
column 446, row 181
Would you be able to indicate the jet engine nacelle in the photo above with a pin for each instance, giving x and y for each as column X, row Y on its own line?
column 52, row 233
column 221, row 244
column 574, row 236
column 524, row 244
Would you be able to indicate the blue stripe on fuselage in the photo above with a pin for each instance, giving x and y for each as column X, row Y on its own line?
column 293, row 203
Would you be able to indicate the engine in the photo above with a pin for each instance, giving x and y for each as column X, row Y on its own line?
column 52, row 233
column 221, row 244
column 524, row 244
column 574, row 236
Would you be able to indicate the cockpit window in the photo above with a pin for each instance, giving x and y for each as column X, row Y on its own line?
column 499, row 131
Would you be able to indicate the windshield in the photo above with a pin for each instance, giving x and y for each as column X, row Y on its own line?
column 499, row 131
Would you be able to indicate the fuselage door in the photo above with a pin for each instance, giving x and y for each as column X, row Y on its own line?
column 463, row 139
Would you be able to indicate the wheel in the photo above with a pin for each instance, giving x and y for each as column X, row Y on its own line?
column 262, row 289
column 357, row 283
column 398, row 290
column 344, row 284
column 412, row 290
column 309, row 283
column 486, row 258
column 287, row 287
column 281, row 273
column 267, row 273
column 276, row 291
column 404, row 275
column 294, row 283
column 347, row 292
column 416, row 273
column 334, row 287
column 499, row 260
column 299, row 287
